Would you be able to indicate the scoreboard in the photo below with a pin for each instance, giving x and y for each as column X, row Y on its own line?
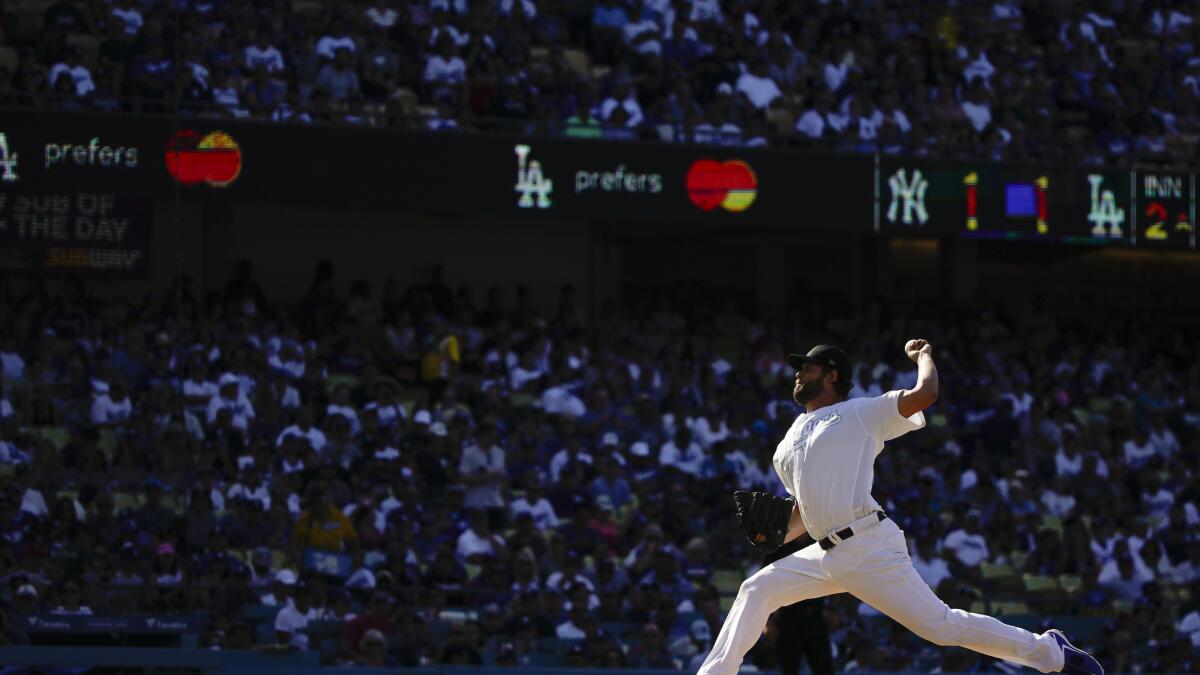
column 79, row 191
column 1025, row 202
column 1165, row 207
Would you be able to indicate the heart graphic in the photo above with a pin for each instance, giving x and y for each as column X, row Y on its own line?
column 730, row 184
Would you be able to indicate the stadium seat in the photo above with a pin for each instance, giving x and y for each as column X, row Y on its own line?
column 1089, row 630
column 56, row 435
column 1039, row 584
column 1070, row 583
column 727, row 580
column 264, row 633
column 999, row 608
column 538, row 660
column 1053, row 523
column 578, row 61
column 260, row 612
column 124, row 500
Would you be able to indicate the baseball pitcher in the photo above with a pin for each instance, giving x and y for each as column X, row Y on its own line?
column 827, row 464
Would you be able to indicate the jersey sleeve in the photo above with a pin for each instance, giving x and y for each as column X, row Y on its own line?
column 881, row 416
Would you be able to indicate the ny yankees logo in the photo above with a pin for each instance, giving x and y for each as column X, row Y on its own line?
column 829, row 419
column 8, row 161
column 910, row 191
column 530, row 181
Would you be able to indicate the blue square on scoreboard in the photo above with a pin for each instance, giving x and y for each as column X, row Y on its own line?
column 1020, row 200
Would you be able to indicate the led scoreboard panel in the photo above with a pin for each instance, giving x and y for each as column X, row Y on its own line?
column 1165, row 209
column 1095, row 206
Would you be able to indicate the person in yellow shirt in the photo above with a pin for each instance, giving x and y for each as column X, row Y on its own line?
column 442, row 358
column 323, row 526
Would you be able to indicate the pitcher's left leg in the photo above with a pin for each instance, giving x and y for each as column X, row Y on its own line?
column 887, row 581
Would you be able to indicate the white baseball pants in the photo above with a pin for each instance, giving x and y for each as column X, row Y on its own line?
column 874, row 567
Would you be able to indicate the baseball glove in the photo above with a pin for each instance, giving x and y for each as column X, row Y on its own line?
column 763, row 517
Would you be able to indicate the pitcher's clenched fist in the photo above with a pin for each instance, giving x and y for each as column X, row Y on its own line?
column 915, row 348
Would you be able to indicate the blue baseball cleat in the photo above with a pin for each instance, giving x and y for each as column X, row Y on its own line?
column 1075, row 660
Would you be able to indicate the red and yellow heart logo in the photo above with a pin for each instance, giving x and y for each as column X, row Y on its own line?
column 214, row 158
column 731, row 185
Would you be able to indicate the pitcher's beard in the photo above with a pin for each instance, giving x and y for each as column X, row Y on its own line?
column 808, row 391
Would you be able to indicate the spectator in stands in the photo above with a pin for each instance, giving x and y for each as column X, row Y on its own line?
column 230, row 397
column 378, row 618
column 968, row 543
column 651, row 651
column 458, row 648
column 112, row 407
column 261, row 53
column 373, row 651
column 482, row 471
column 338, row 78
column 478, row 541
column 71, row 601
column 1125, row 574
column 322, row 526
column 78, row 73
column 293, row 617
column 337, row 38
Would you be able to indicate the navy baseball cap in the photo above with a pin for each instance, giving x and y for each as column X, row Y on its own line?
column 827, row 356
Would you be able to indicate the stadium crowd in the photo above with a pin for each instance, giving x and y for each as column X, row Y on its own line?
column 1113, row 81
column 448, row 480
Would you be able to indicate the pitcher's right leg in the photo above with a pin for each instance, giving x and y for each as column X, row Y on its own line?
column 784, row 582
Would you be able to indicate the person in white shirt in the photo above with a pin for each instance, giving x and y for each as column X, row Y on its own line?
column 1162, row 439
column 757, row 86
column 978, row 66
column 1125, row 575
column 812, row 122
column 113, row 407
column 381, row 14
column 837, row 68
column 337, row 39
column 967, row 542
column 557, row 399
column 13, row 366
column 198, row 390
column 571, row 452
column 540, row 510
column 128, row 13
column 976, row 107
column 1058, row 500
column 252, row 487
column 622, row 97
column 73, row 67
column 682, row 453
column 446, row 67
column 341, row 405
column 705, row 10
column 293, row 617
column 230, row 397
column 1068, row 461
column 931, row 566
column 643, row 34
column 482, row 471
column 387, row 407
column 303, row 426
column 261, row 53
column 478, row 540
column 1138, row 450
column 826, row 462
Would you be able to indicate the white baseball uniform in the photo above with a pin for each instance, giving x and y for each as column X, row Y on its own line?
column 827, row 462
